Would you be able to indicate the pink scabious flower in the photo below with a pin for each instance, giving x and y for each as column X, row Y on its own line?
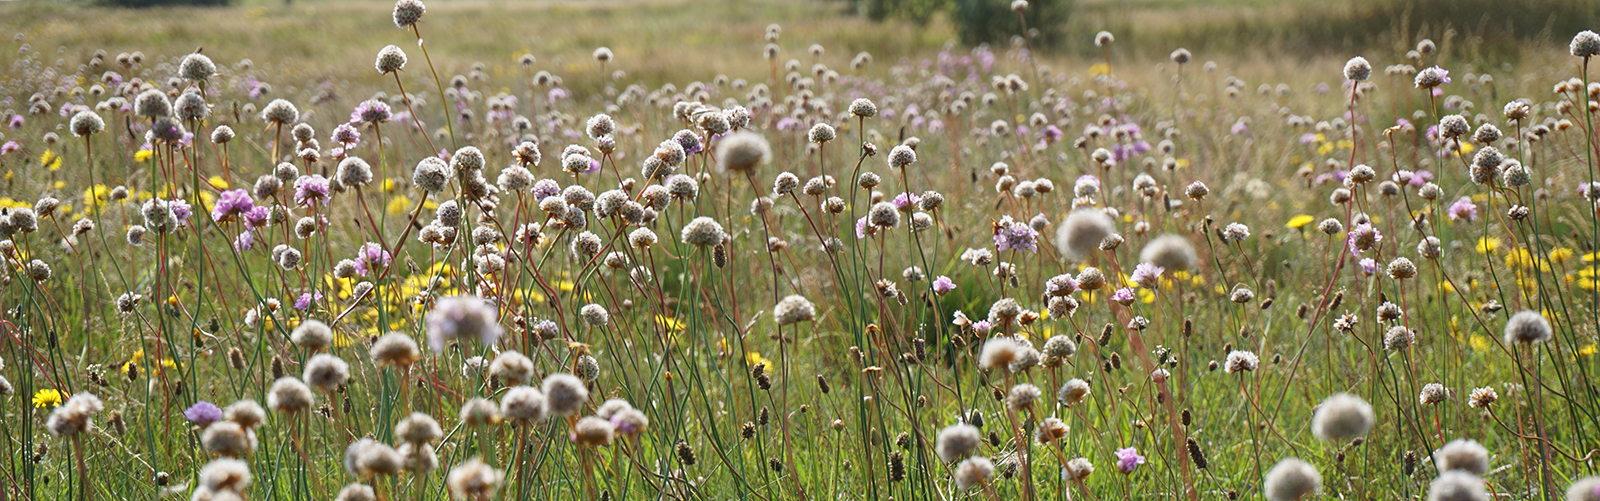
column 1463, row 209
column 1015, row 235
column 245, row 241
column 232, row 204
column 1129, row 459
column 1368, row 266
column 943, row 285
column 371, row 257
column 1147, row 275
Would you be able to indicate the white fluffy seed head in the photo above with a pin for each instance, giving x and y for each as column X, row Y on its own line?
column 1292, row 480
column 1462, row 454
column 1341, row 418
column 1527, row 327
column 1081, row 232
column 957, row 441
column 1457, row 486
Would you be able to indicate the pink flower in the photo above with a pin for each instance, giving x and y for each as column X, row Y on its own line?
column 1128, row 459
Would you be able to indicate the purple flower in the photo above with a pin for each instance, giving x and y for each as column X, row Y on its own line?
column 346, row 134
column 1444, row 74
column 16, row 121
column 1368, row 266
column 311, row 190
column 1123, row 296
column 1052, row 133
column 982, row 326
column 1147, row 275
column 1128, row 459
column 861, row 228
column 1015, row 235
column 1240, row 127
column 943, row 285
column 256, row 217
column 371, row 257
column 557, row 94
column 9, row 147
column 1362, row 237
column 545, row 188
column 244, row 241
column 231, row 204
column 624, row 426
column 304, row 302
column 203, row 413
column 906, row 201
column 371, row 111
column 1056, row 285
column 1464, row 209
column 181, row 210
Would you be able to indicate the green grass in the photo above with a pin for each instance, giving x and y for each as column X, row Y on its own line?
column 686, row 330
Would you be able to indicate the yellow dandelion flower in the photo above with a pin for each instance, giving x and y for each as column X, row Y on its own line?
column 1479, row 343
column 1099, row 69
column 50, row 160
column 755, row 357
column 1561, row 254
column 1299, row 221
column 1488, row 245
column 1588, row 350
column 142, row 155
column 46, row 398
column 218, row 182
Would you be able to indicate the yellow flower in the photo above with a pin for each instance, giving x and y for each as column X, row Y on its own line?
column 1479, row 343
column 48, row 397
column 1099, row 69
column 142, row 155
column 1561, row 254
column 218, row 182
column 1488, row 245
column 754, row 358
column 671, row 324
column 401, row 204
column 1299, row 221
column 1588, row 350
column 50, row 160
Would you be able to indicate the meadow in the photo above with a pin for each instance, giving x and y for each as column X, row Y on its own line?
column 764, row 250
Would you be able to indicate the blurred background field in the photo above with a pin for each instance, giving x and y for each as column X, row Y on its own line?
column 670, row 40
